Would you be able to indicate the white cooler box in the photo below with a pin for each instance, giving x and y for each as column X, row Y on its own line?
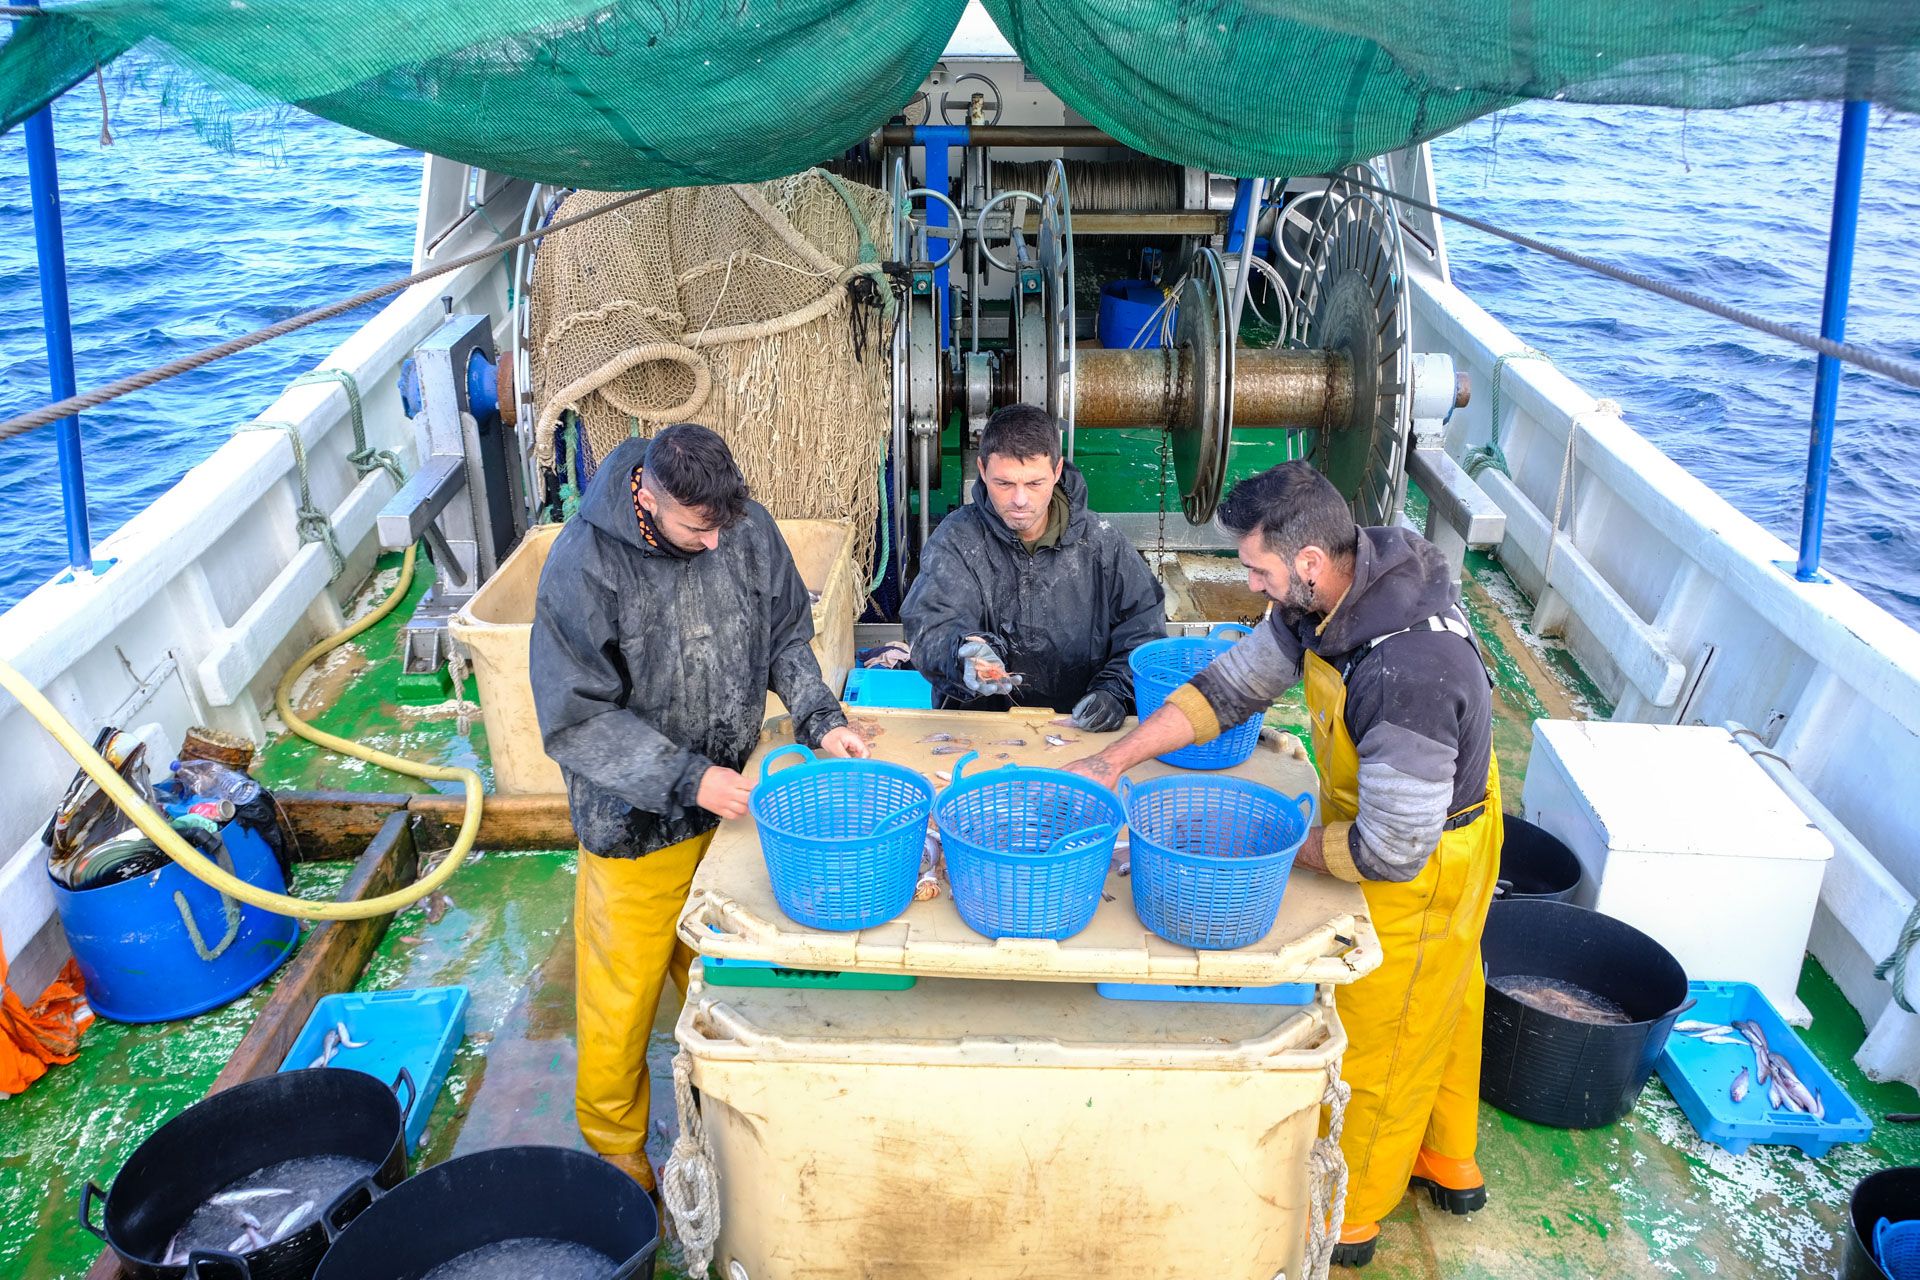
column 1682, row 835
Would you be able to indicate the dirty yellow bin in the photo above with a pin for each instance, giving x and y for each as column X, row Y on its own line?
column 966, row 1130
column 496, row 626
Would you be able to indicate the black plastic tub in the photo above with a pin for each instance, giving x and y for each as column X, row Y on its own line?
column 1893, row 1194
column 221, row 1139
column 509, row 1193
column 1559, row 1071
column 1535, row 864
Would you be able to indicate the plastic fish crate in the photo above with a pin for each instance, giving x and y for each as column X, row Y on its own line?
column 418, row 1029
column 1699, row 1075
column 880, row 687
column 760, row 973
column 1283, row 993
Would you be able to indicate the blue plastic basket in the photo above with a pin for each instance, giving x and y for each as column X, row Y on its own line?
column 1211, row 856
column 417, row 1030
column 1897, row 1246
column 1698, row 1075
column 878, row 687
column 1161, row 666
column 842, row 838
column 1027, row 849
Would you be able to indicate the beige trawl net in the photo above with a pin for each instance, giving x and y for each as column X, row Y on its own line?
column 727, row 306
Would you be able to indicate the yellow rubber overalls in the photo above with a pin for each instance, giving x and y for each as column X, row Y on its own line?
column 624, row 912
column 1413, row 1024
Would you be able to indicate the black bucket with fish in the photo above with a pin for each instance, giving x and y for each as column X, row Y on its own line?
column 1578, row 1008
column 1535, row 864
column 1893, row 1194
column 192, row 1191
column 510, row 1212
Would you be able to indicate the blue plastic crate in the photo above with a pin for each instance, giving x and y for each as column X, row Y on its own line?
column 1284, row 993
column 880, row 687
column 417, row 1029
column 1699, row 1076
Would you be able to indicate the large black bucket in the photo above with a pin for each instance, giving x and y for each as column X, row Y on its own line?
column 221, row 1139
column 1893, row 1194
column 510, row 1193
column 1535, row 864
column 1554, row 1070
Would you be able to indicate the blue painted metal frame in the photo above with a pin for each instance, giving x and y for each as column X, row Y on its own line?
column 1833, row 325
column 43, row 182
column 939, row 140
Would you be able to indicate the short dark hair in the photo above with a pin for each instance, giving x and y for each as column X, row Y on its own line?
column 696, row 469
column 1292, row 507
column 1021, row 431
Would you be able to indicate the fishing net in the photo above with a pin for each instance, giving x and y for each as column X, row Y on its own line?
column 760, row 311
column 625, row 94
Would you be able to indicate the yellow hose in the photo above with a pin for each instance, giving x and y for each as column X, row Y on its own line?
column 156, row 828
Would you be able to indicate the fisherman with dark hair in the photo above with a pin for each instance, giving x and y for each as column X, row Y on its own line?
column 1025, row 596
column 1400, row 709
column 666, row 612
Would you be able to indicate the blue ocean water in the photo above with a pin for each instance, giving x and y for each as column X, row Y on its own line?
column 173, row 246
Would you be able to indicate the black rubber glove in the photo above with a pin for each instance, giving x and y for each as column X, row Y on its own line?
column 1099, row 712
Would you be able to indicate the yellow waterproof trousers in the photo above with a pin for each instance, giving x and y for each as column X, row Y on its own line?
column 1413, row 1025
column 624, row 910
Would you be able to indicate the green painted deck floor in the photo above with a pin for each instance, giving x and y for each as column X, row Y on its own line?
column 1644, row 1197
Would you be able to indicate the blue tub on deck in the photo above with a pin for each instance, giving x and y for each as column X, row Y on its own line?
column 141, row 961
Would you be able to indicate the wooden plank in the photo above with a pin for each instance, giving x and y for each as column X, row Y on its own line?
column 508, row 822
column 330, row 959
column 334, row 826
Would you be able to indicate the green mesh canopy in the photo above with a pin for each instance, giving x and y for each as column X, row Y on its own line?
column 618, row 94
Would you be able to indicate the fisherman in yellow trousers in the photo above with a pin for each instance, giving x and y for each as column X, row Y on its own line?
column 1402, row 725
column 667, row 610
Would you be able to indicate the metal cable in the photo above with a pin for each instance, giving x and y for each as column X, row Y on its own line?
column 1901, row 371
column 186, row 364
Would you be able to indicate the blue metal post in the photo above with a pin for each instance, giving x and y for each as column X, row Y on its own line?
column 938, row 139
column 1833, row 325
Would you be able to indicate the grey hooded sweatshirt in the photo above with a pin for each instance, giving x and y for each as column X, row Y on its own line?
column 1419, row 703
column 649, row 666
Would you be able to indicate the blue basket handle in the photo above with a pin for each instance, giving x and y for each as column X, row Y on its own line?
column 791, row 749
column 1124, row 789
column 1220, row 629
column 1074, row 841
column 1309, row 807
column 898, row 818
column 959, row 767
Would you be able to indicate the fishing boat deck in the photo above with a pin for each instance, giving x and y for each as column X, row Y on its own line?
column 1644, row 1197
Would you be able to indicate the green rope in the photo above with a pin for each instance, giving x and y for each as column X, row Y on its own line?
column 869, row 263
column 1491, row 454
column 364, row 459
column 312, row 523
column 569, row 441
column 1896, row 964
column 886, row 535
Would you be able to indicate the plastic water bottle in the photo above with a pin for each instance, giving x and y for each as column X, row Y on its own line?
column 211, row 780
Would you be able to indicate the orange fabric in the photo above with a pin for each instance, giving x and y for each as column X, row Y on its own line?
column 31, row 1039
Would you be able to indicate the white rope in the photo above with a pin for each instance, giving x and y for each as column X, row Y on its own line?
column 1327, row 1180
column 1561, row 492
column 690, row 1181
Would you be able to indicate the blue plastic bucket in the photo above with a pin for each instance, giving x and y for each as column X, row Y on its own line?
column 842, row 838
column 1027, row 850
column 1161, row 666
column 165, row 946
column 1211, row 856
column 1126, row 307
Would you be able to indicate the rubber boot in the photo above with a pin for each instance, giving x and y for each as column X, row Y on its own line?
column 636, row 1166
column 1454, row 1185
column 1357, row 1240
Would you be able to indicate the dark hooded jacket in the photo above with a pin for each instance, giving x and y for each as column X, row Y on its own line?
column 1064, row 617
column 1419, row 704
column 648, row 667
